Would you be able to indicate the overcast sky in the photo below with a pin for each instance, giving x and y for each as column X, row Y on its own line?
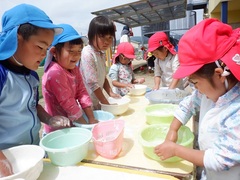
column 74, row 12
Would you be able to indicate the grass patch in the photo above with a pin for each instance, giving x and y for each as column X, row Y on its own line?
column 40, row 74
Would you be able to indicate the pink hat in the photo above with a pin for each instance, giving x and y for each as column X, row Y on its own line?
column 208, row 41
column 126, row 49
column 160, row 39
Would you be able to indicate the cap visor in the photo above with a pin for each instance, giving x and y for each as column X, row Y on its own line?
column 184, row 71
column 151, row 49
column 130, row 56
column 48, row 25
column 65, row 39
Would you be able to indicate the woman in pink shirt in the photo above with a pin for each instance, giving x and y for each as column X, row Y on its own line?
column 63, row 88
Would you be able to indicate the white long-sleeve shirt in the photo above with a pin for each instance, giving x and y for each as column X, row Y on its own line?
column 219, row 129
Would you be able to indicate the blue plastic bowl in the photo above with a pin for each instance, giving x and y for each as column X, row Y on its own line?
column 99, row 115
column 66, row 147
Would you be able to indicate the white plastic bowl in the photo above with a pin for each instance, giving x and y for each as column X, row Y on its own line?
column 26, row 160
column 67, row 147
column 173, row 96
column 139, row 89
column 117, row 106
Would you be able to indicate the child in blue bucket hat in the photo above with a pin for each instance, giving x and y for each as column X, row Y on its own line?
column 63, row 87
column 27, row 32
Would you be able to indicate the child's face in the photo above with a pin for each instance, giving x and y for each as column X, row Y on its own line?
column 124, row 60
column 160, row 54
column 212, row 89
column 102, row 43
column 32, row 51
column 70, row 55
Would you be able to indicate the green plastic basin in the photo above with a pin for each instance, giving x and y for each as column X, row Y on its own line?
column 153, row 135
column 160, row 113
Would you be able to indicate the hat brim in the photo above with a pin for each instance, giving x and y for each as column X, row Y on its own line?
column 130, row 56
column 48, row 25
column 66, row 39
column 48, row 60
column 152, row 49
column 184, row 71
column 8, row 49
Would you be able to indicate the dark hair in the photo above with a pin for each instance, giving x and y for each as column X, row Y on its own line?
column 26, row 30
column 207, row 72
column 101, row 26
column 117, row 60
column 160, row 48
column 59, row 46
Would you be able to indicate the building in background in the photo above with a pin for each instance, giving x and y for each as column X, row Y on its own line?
column 177, row 27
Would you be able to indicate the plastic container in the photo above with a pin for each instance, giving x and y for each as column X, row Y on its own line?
column 99, row 115
column 139, row 89
column 26, row 161
column 153, row 135
column 160, row 113
column 66, row 147
column 108, row 138
column 174, row 96
column 117, row 106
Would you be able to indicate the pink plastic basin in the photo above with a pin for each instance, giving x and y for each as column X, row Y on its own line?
column 108, row 138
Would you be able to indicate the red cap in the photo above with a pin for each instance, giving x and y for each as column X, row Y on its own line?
column 208, row 41
column 126, row 49
column 160, row 39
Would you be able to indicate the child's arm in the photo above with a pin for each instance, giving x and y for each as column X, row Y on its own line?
column 172, row 134
column 89, row 113
column 169, row 149
column 157, row 80
column 55, row 121
column 121, row 85
column 174, row 83
column 108, row 89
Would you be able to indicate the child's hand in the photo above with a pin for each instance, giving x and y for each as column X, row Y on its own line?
column 130, row 86
column 141, row 80
column 165, row 150
column 114, row 95
column 59, row 122
column 93, row 121
column 6, row 167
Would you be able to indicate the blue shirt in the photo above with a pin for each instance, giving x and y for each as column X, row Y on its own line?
column 19, row 123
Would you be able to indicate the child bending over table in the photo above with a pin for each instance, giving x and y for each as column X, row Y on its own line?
column 63, row 88
column 101, row 35
column 209, row 57
column 121, row 71
column 27, row 33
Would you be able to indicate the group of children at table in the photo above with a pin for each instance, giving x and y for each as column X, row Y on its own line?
column 208, row 56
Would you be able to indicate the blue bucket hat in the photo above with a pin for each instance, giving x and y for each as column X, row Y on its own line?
column 68, row 34
column 13, row 18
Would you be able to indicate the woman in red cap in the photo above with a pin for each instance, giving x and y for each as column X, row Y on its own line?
column 166, row 62
column 209, row 57
column 121, row 71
